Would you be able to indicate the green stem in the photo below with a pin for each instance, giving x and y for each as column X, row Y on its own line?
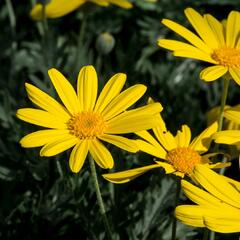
column 223, row 103
column 99, row 198
column 177, row 196
column 212, row 235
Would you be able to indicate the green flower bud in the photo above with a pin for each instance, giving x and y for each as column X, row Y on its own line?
column 105, row 43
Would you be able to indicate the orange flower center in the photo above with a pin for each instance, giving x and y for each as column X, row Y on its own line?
column 86, row 125
column 228, row 57
column 183, row 159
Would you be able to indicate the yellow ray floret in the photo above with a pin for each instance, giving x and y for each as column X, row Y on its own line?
column 181, row 154
column 218, row 206
column 232, row 135
column 215, row 42
column 84, row 120
column 59, row 8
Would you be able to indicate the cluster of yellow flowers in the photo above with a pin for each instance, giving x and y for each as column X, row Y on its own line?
column 85, row 119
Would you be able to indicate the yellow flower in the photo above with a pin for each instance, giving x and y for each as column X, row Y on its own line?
column 59, row 8
column 83, row 119
column 179, row 152
column 216, row 43
column 218, row 207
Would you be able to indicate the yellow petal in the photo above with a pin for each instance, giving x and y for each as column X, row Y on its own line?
column 87, row 87
column 123, row 101
column 65, row 91
column 131, row 124
column 202, row 28
column 235, row 73
column 40, row 118
column 55, row 8
column 166, row 139
column 179, row 174
column 156, row 151
column 112, row 88
column 232, row 114
column 150, row 109
column 167, row 167
column 227, row 137
column 223, row 225
column 148, row 137
column 190, row 215
column 234, row 183
column 185, row 50
column 121, row 3
column 57, row 146
column 183, row 137
column 194, row 55
column 212, row 73
column 121, row 142
column 216, row 27
column 127, row 176
column 186, row 34
column 46, row 102
column 160, row 131
column 135, row 120
column 219, row 165
column 200, row 196
column 202, row 142
column 216, row 185
column 100, row 154
column 102, row 3
column 78, row 156
column 42, row 137
column 232, row 28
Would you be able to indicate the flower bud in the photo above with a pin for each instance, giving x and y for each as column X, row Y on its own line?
column 105, row 43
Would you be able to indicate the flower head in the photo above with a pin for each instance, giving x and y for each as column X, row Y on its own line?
column 59, row 8
column 84, row 120
column 218, row 206
column 215, row 42
column 181, row 154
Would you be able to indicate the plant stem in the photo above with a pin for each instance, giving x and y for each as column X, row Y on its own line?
column 223, row 103
column 177, row 196
column 212, row 235
column 99, row 198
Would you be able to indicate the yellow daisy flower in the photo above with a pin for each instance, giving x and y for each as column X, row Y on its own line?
column 216, row 43
column 84, row 120
column 218, row 207
column 59, row 8
column 179, row 152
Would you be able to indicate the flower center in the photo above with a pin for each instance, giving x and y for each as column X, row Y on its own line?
column 228, row 57
column 183, row 159
column 86, row 125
